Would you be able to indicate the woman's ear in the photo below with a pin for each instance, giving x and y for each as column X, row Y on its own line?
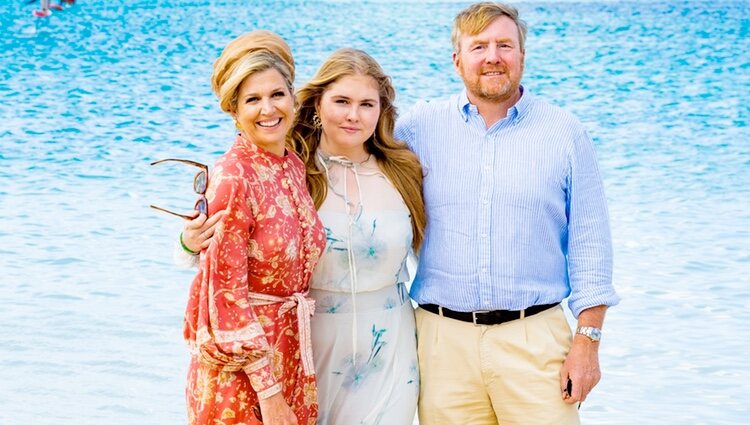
column 234, row 118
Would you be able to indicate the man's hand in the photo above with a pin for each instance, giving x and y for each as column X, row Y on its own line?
column 581, row 366
column 197, row 233
column 275, row 411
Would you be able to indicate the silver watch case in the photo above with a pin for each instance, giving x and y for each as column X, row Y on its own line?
column 594, row 334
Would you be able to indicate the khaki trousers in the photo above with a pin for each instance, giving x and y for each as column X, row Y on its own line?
column 488, row 375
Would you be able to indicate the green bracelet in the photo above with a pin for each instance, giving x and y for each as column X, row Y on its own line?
column 185, row 248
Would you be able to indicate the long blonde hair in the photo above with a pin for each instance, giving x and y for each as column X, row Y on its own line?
column 395, row 160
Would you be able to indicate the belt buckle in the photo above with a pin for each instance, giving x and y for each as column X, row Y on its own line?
column 474, row 316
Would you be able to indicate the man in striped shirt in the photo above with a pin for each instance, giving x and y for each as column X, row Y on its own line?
column 517, row 222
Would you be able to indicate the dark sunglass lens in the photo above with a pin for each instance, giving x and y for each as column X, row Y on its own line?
column 202, row 206
column 199, row 184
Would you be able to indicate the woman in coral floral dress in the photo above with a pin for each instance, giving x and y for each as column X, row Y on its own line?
column 247, row 319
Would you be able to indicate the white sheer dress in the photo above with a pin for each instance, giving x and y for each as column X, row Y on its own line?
column 363, row 330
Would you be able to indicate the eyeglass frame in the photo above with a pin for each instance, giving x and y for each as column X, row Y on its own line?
column 202, row 203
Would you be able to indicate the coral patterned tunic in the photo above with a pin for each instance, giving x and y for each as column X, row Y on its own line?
column 247, row 320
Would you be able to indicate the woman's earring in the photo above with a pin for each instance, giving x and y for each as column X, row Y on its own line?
column 237, row 124
column 316, row 122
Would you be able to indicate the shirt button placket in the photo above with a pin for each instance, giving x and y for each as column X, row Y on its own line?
column 487, row 189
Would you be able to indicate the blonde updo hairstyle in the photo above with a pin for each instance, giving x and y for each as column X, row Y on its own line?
column 395, row 160
column 247, row 54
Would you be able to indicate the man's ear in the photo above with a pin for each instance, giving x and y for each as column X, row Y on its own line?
column 457, row 62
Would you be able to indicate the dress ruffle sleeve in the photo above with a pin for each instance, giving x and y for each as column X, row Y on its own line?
column 182, row 258
column 220, row 325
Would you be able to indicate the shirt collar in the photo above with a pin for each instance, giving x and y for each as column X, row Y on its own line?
column 464, row 106
column 515, row 113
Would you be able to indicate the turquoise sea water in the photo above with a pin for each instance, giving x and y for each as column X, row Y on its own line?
column 91, row 303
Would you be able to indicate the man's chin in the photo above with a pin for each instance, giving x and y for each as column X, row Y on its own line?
column 496, row 96
column 499, row 94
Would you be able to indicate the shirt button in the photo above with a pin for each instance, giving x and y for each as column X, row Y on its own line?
column 485, row 202
column 486, row 303
column 484, row 270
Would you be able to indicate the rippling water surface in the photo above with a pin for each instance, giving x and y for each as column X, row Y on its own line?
column 91, row 304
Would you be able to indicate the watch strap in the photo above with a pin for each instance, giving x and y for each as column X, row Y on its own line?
column 592, row 333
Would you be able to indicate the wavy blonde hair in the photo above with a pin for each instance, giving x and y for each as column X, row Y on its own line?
column 395, row 160
column 247, row 54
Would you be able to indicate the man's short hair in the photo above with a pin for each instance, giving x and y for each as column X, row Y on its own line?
column 475, row 18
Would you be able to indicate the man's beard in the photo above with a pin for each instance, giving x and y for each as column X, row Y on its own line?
column 493, row 92
column 497, row 94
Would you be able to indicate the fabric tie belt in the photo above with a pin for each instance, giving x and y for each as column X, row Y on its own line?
column 494, row 317
column 305, row 309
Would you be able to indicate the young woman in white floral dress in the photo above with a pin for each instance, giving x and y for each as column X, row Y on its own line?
column 368, row 191
column 367, row 188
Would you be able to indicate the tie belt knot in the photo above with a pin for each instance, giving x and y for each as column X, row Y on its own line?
column 305, row 308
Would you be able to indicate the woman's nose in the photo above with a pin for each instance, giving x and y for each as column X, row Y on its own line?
column 352, row 114
column 266, row 106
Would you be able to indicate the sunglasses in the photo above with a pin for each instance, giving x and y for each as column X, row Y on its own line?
column 200, row 184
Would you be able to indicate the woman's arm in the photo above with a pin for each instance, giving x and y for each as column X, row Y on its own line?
column 220, row 323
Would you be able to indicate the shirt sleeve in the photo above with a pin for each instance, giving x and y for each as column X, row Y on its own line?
column 405, row 127
column 589, row 240
column 227, row 331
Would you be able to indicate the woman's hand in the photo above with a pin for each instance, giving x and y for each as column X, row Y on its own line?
column 197, row 233
column 275, row 411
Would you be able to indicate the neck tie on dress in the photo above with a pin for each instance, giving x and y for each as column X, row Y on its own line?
column 353, row 213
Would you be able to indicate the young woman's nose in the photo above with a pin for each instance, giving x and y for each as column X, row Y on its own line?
column 352, row 114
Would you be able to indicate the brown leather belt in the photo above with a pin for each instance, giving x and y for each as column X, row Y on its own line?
column 494, row 317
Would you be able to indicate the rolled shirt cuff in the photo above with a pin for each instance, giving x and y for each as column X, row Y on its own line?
column 582, row 301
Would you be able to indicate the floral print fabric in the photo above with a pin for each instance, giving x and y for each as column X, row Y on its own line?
column 268, row 243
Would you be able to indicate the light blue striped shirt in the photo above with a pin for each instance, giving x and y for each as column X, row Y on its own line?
column 516, row 213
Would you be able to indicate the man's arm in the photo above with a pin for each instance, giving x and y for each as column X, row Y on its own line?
column 589, row 267
column 582, row 363
column 589, row 248
column 404, row 129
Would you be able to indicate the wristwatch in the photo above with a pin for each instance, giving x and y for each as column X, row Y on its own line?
column 594, row 334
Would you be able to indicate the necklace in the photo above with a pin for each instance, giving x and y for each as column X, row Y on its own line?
column 341, row 159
